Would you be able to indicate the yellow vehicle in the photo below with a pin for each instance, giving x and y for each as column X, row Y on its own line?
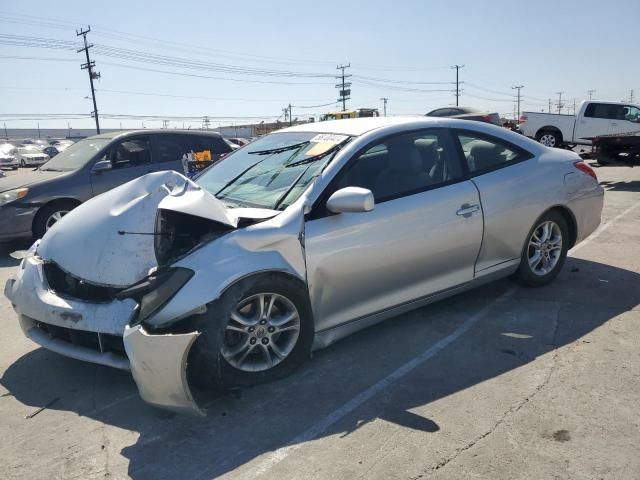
column 358, row 113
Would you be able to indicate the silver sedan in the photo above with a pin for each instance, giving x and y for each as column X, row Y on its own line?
column 294, row 241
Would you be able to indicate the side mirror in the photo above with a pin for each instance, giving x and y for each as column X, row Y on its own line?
column 351, row 199
column 101, row 166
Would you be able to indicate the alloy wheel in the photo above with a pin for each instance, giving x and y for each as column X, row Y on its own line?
column 545, row 248
column 262, row 331
column 548, row 140
column 54, row 218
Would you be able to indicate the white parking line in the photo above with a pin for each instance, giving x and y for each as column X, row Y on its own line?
column 602, row 228
column 315, row 430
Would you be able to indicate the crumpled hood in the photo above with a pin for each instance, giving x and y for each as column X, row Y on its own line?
column 97, row 241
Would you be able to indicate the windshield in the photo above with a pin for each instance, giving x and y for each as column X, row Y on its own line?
column 273, row 171
column 76, row 155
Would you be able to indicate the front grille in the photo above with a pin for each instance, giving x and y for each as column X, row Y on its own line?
column 101, row 342
column 67, row 285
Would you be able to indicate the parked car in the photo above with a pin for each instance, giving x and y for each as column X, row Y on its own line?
column 240, row 142
column 301, row 238
column 36, row 201
column 8, row 158
column 593, row 119
column 30, row 155
column 2, row 174
column 466, row 113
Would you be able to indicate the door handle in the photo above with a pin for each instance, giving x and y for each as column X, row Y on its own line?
column 467, row 210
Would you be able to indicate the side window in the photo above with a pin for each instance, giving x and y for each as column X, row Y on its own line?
column 484, row 153
column 404, row 164
column 170, row 148
column 632, row 114
column 215, row 145
column 605, row 110
column 130, row 152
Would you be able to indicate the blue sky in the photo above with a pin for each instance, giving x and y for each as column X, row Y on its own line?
column 547, row 46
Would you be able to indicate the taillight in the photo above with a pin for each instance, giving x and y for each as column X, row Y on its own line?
column 584, row 168
column 523, row 119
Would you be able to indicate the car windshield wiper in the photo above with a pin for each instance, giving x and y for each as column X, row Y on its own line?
column 309, row 160
column 315, row 158
column 50, row 170
column 236, row 178
column 279, row 149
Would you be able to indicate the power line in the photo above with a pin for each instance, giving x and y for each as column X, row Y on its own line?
column 518, row 88
column 384, row 103
column 457, row 67
column 345, row 90
column 92, row 74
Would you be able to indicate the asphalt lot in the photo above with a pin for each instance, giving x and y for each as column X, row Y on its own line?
column 502, row 382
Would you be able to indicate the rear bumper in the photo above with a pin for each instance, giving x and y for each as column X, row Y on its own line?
column 587, row 210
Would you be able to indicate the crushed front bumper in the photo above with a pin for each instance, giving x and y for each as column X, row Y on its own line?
column 93, row 332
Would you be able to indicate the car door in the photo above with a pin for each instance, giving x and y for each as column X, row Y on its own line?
column 422, row 237
column 595, row 121
column 627, row 120
column 513, row 190
column 129, row 158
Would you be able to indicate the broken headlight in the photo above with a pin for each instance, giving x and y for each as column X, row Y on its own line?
column 155, row 291
column 176, row 234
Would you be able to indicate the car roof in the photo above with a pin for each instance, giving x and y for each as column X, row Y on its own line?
column 155, row 131
column 359, row 126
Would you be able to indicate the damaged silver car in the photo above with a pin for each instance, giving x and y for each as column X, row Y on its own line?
column 294, row 241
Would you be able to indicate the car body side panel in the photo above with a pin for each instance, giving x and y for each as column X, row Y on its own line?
column 512, row 199
column 362, row 263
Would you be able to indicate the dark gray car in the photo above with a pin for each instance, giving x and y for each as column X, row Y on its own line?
column 32, row 203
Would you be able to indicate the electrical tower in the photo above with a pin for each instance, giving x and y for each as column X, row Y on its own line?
column 457, row 67
column 345, row 90
column 560, row 104
column 384, row 105
column 205, row 123
column 591, row 92
column 518, row 88
column 93, row 75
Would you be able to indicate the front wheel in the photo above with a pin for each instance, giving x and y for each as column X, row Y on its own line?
column 259, row 330
column 545, row 251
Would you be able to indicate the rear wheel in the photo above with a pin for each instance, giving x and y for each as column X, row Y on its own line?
column 549, row 138
column 260, row 330
column 545, row 251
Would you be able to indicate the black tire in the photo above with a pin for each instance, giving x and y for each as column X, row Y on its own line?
column 525, row 273
column 603, row 161
column 43, row 215
column 554, row 138
column 207, row 368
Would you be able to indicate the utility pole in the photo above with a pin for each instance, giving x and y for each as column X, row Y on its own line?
column 518, row 88
column 631, row 95
column 457, row 67
column 384, row 105
column 89, row 66
column 6, row 135
column 38, row 129
column 165, row 123
column 574, row 106
column 560, row 105
column 290, row 116
column 549, row 105
column 205, row 123
column 345, row 91
column 591, row 92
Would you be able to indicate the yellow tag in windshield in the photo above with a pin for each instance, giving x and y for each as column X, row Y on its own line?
column 319, row 148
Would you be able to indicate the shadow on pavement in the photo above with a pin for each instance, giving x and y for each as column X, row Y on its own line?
column 622, row 186
column 265, row 418
column 7, row 247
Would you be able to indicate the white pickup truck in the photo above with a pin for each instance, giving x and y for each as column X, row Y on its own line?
column 593, row 119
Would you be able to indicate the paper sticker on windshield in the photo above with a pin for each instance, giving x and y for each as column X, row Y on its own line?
column 329, row 138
